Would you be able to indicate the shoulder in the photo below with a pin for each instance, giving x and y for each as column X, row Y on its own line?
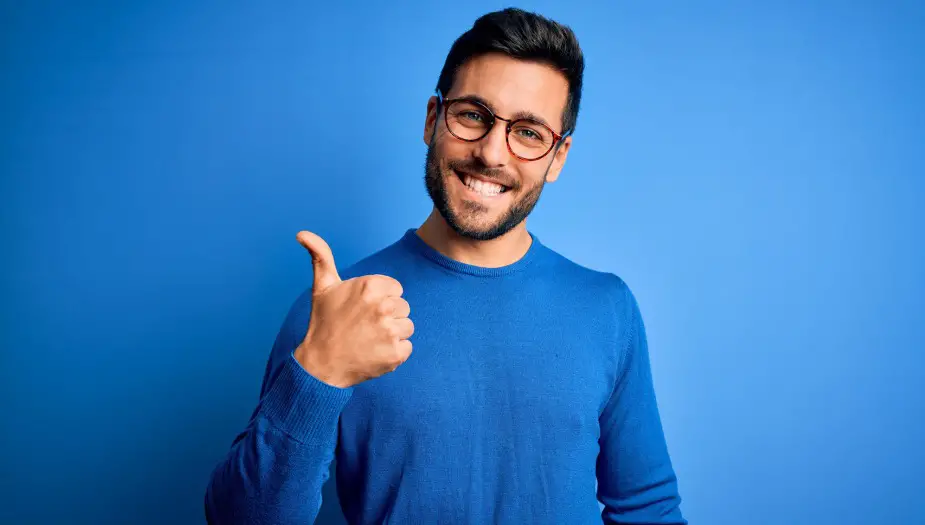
column 607, row 305
column 606, row 285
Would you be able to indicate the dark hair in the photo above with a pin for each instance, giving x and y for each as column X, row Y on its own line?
column 525, row 36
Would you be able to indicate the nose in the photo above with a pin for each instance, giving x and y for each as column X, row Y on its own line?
column 492, row 149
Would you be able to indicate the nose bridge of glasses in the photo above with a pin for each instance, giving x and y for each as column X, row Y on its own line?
column 506, row 124
column 491, row 121
column 508, row 120
column 501, row 133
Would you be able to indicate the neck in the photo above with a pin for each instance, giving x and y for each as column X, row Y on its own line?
column 502, row 251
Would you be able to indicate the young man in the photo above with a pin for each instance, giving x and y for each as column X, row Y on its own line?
column 529, row 395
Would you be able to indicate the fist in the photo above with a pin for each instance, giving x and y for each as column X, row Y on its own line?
column 359, row 328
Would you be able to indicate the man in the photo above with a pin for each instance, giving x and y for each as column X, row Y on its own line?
column 528, row 397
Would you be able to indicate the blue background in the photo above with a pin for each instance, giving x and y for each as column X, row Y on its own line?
column 753, row 171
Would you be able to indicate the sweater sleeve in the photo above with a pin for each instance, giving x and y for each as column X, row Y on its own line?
column 275, row 469
column 636, row 481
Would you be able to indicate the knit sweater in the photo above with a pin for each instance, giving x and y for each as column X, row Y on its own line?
column 528, row 398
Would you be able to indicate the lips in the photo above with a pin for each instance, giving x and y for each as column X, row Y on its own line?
column 462, row 177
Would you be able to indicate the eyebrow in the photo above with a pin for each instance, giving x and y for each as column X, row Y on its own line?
column 529, row 115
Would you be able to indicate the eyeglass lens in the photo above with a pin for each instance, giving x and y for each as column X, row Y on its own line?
column 470, row 121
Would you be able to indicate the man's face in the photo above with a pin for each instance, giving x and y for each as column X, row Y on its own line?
column 510, row 88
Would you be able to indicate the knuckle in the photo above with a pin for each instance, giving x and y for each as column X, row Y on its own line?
column 378, row 279
column 367, row 291
column 405, row 350
column 391, row 284
column 383, row 308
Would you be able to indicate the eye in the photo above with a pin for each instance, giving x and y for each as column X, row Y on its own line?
column 474, row 116
column 527, row 134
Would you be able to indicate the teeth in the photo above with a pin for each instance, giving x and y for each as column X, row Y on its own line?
column 488, row 189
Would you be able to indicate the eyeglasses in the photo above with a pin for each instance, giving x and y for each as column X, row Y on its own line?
column 470, row 121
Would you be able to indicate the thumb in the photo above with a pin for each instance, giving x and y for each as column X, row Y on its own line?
column 322, row 261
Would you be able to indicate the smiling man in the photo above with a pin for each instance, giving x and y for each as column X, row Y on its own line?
column 528, row 397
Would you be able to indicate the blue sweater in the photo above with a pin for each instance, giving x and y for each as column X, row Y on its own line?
column 528, row 398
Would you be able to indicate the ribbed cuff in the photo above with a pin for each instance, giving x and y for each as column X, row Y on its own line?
column 303, row 406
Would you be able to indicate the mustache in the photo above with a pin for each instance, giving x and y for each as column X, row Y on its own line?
column 477, row 168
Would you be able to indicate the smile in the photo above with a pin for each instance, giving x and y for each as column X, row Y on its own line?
column 481, row 187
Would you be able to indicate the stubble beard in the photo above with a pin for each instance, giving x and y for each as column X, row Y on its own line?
column 464, row 221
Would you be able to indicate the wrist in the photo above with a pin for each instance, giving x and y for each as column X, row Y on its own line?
column 313, row 361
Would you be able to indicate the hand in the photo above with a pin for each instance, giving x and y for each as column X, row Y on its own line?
column 359, row 328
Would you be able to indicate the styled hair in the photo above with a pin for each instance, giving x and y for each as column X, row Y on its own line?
column 525, row 36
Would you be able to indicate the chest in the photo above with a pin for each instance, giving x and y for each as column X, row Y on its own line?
column 518, row 375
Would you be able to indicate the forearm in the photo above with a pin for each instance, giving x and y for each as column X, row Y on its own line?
column 275, row 470
column 636, row 481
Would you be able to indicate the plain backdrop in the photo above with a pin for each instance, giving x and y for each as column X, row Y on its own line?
column 754, row 171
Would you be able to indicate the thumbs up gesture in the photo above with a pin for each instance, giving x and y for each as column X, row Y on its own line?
column 359, row 328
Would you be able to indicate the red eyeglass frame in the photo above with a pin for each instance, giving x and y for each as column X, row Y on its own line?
column 445, row 103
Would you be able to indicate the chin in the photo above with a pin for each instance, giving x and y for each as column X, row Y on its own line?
column 475, row 229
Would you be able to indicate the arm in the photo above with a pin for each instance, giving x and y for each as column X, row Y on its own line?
column 636, row 481
column 277, row 466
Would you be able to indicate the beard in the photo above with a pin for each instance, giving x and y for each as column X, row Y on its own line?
column 465, row 221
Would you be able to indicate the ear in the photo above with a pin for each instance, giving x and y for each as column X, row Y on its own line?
column 430, row 121
column 559, row 156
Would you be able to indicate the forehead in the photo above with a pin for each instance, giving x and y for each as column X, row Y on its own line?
column 513, row 86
